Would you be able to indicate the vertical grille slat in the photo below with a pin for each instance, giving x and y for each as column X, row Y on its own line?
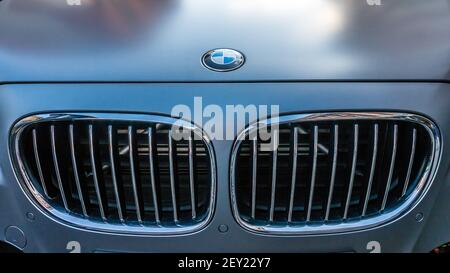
column 151, row 155
column 191, row 176
column 331, row 171
column 172, row 177
column 112, row 144
column 353, row 169
column 96, row 173
column 391, row 167
column 274, row 180
column 75, row 170
column 61, row 187
column 38, row 164
column 313, row 172
column 294, row 172
column 134, row 182
column 372, row 168
column 118, row 172
column 254, row 173
column 411, row 161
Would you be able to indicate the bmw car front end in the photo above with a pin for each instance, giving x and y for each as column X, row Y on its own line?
column 224, row 126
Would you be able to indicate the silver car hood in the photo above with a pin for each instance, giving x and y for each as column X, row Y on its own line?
column 282, row 40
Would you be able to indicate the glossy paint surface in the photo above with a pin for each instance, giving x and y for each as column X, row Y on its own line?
column 163, row 40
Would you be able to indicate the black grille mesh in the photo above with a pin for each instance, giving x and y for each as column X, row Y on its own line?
column 115, row 171
column 330, row 172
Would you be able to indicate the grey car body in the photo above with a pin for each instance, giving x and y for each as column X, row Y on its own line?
column 145, row 57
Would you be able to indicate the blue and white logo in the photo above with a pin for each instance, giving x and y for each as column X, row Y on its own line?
column 224, row 56
column 223, row 59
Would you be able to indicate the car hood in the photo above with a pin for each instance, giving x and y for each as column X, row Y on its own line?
column 282, row 40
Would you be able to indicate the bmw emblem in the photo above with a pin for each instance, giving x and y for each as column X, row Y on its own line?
column 223, row 59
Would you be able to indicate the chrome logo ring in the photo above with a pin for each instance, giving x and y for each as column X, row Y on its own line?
column 223, row 59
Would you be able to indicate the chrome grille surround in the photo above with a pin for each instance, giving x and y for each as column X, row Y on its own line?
column 326, row 227
column 40, row 201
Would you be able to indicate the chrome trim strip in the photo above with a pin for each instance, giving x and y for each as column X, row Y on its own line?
column 55, row 163
column 372, row 168
column 388, row 216
column 411, row 161
column 75, row 170
column 71, row 220
column 352, row 173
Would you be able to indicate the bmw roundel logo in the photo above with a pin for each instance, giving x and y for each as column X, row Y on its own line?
column 223, row 59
